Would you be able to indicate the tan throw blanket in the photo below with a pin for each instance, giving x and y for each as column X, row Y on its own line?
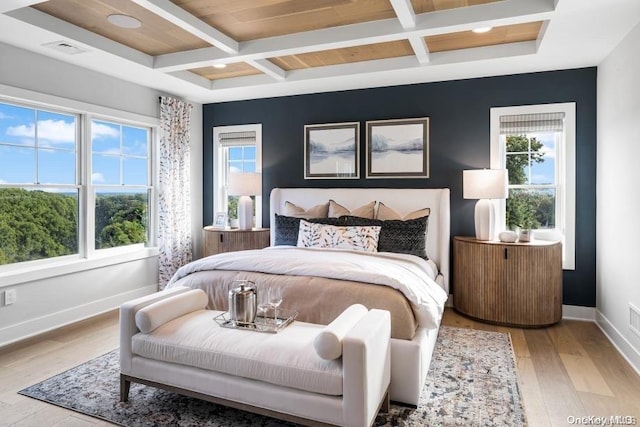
column 320, row 283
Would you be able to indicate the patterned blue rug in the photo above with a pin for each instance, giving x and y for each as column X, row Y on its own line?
column 472, row 381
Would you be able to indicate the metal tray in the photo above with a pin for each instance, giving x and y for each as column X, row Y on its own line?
column 261, row 324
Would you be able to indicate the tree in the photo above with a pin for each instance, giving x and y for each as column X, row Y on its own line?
column 516, row 163
column 526, row 208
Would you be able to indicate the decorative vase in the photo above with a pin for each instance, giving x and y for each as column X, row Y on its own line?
column 525, row 235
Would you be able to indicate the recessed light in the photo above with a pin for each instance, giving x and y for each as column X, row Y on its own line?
column 124, row 21
column 220, row 66
column 482, row 30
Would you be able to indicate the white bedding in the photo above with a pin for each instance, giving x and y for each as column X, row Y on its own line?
column 412, row 276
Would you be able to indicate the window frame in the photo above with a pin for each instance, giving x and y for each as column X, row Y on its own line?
column 87, row 257
column 219, row 191
column 565, row 169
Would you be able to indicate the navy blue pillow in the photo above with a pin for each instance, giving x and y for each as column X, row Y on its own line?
column 398, row 236
column 286, row 228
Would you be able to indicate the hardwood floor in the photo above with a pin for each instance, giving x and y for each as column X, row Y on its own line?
column 568, row 370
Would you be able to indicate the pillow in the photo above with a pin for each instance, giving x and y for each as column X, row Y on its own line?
column 328, row 343
column 336, row 210
column 157, row 314
column 385, row 213
column 401, row 237
column 357, row 238
column 318, row 211
column 286, row 228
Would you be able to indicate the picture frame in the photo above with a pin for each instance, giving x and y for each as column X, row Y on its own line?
column 219, row 220
column 397, row 148
column 332, row 151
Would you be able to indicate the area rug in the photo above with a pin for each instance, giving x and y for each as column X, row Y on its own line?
column 471, row 382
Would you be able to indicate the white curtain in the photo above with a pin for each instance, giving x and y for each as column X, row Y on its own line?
column 174, row 196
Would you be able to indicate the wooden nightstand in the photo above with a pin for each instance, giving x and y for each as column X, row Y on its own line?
column 218, row 240
column 514, row 284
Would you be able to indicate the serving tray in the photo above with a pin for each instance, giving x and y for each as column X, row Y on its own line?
column 261, row 323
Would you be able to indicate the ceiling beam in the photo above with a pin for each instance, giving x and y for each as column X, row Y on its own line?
column 188, row 22
column 427, row 24
column 9, row 5
column 382, row 65
column 268, row 68
column 405, row 13
column 420, row 48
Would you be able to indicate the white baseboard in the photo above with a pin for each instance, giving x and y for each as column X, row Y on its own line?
column 576, row 312
column 624, row 347
column 32, row 327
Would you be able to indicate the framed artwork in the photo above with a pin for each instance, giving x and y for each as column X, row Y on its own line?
column 332, row 151
column 398, row 148
column 219, row 220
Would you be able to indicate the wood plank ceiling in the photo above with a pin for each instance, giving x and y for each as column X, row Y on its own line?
column 184, row 35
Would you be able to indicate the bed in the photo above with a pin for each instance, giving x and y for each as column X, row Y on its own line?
column 414, row 290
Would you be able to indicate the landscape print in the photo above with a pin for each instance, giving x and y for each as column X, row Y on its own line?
column 398, row 148
column 331, row 150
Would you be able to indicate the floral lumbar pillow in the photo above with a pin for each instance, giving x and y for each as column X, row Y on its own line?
column 358, row 238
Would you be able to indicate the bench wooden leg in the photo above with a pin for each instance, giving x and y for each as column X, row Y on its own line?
column 385, row 403
column 125, row 385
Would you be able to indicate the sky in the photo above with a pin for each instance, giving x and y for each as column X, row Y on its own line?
column 119, row 153
column 544, row 173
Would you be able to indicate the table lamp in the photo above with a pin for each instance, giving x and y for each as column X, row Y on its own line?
column 245, row 185
column 485, row 185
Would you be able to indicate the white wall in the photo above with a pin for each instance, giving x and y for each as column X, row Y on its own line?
column 47, row 303
column 618, row 196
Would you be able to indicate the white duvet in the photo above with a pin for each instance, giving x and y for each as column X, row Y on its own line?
column 412, row 276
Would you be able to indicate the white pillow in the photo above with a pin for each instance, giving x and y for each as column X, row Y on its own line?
column 328, row 343
column 157, row 314
column 358, row 238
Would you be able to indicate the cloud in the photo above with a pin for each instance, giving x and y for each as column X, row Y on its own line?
column 549, row 152
column 97, row 177
column 55, row 131
column 99, row 130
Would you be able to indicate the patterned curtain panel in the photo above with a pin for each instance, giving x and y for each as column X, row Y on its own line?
column 174, row 198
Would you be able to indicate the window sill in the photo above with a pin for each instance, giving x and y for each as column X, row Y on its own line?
column 69, row 266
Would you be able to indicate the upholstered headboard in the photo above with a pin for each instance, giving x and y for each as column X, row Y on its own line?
column 401, row 200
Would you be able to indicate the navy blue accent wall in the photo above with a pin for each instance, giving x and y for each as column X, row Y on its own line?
column 459, row 139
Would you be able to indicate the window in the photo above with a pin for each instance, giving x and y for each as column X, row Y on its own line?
column 121, row 183
column 54, row 199
column 536, row 144
column 236, row 149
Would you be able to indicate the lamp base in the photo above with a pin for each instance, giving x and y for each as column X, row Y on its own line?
column 245, row 213
column 485, row 219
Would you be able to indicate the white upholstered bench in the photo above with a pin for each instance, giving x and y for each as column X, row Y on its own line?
column 168, row 340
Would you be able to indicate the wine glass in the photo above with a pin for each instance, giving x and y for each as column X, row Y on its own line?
column 274, row 301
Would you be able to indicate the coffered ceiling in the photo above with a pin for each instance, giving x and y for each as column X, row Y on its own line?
column 279, row 47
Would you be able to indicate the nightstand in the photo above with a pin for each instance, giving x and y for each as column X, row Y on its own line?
column 218, row 240
column 513, row 284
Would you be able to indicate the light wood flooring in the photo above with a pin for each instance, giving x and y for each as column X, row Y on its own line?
column 570, row 369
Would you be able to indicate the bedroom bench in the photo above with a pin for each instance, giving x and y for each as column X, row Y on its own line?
column 311, row 374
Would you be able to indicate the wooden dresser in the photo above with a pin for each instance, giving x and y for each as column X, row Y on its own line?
column 514, row 284
column 218, row 240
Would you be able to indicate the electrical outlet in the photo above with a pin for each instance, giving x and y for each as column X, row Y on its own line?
column 9, row 296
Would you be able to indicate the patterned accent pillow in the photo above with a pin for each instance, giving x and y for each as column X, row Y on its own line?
column 357, row 238
column 286, row 228
column 365, row 211
column 402, row 237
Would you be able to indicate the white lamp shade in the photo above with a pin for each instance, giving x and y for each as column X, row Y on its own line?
column 244, row 184
column 485, row 184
